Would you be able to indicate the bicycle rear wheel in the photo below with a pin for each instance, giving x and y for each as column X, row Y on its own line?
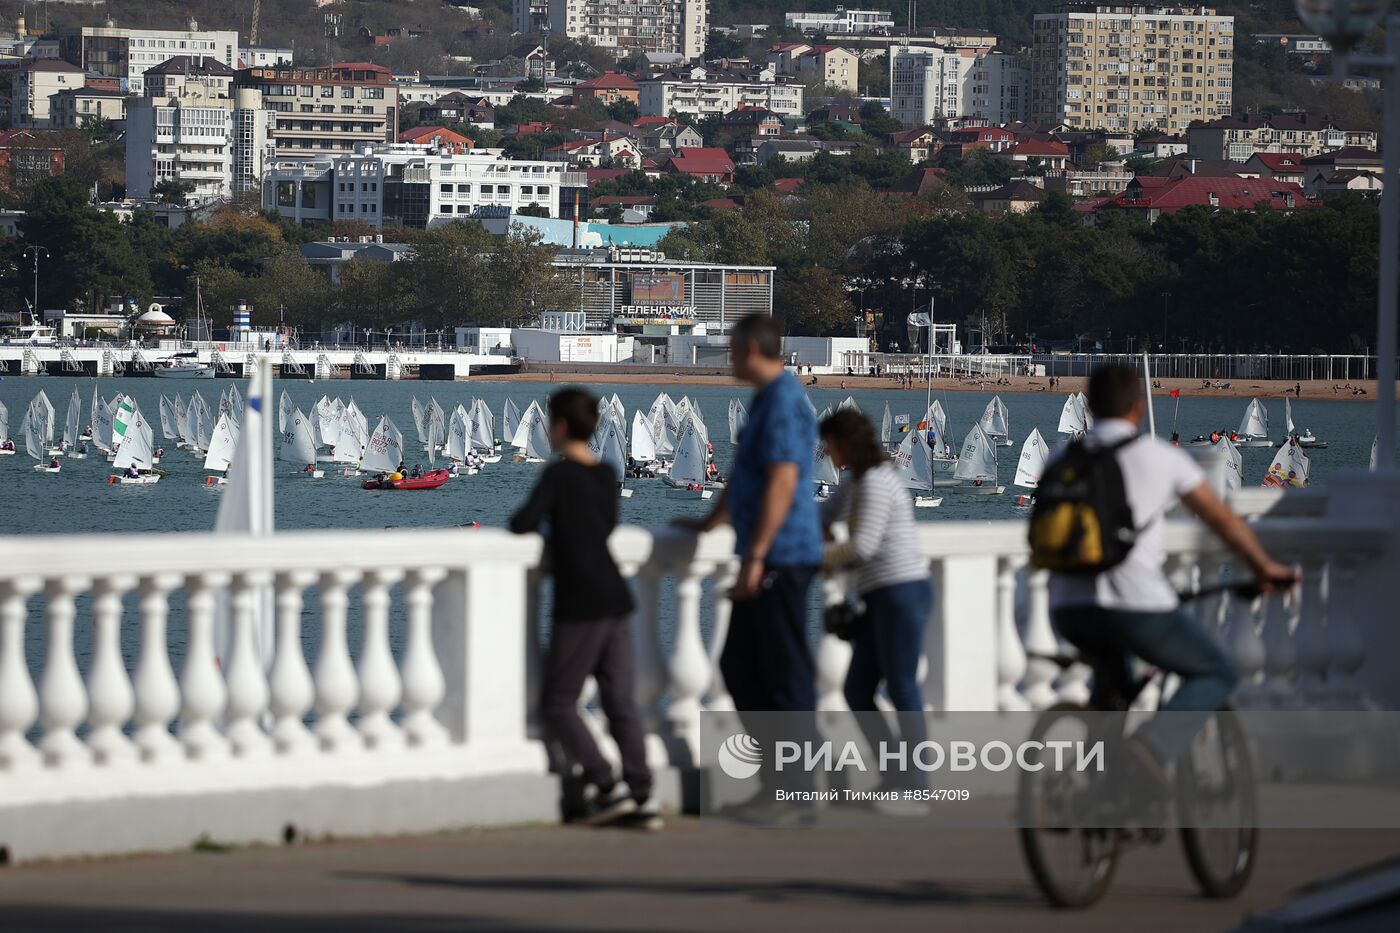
column 1217, row 807
column 1072, row 866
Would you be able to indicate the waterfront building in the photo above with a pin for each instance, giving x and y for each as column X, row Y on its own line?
column 621, row 26
column 1132, row 67
column 713, row 92
column 125, row 53
column 410, row 185
column 328, row 110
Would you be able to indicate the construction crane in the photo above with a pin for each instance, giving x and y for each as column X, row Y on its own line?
column 253, row 27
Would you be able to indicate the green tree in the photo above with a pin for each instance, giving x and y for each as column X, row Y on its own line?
column 813, row 302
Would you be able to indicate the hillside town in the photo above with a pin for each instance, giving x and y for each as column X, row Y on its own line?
column 655, row 143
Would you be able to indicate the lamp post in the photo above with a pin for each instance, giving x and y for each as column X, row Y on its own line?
column 34, row 309
column 1343, row 23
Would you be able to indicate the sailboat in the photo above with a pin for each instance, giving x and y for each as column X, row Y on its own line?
column 1234, row 465
column 642, row 446
column 1031, row 465
column 607, row 446
column 459, row 443
column 738, row 417
column 848, row 404
column 510, row 420
column 531, row 438
column 483, row 434
column 7, row 446
column 32, row 431
column 977, row 466
column 1254, row 427
column 45, row 424
column 886, row 427
column 941, row 456
column 71, row 430
column 223, row 443
column 996, row 422
column 687, row 477
column 824, row 472
column 1289, row 469
column 1075, row 420
column 136, row 455
column 298, row 447
column 1306, row 439
column 914, row 465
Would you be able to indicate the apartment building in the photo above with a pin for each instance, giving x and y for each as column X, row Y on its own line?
column 816, row 64
column 842, row 22
column 329, row 110
column 36, row 83
column 627, row 27
column 70, row 109
column 1130, row 68
column 703, row 92
column 929, row 84
column 411, row 185
column 125, row 53
column 1238, row 138
column 193, row 126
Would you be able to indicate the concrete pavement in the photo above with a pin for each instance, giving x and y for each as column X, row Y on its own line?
column 692, row 876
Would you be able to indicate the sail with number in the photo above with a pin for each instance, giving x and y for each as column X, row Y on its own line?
column 537, row 445
column 384, row 452
column 168, row 431
column 607, row 446
column 30, row 429
column 483, row 436
column 886, row 426
column 46, row 424
column 1290, row 467
column 297, row 444
column 1032, row 462
column 642, row 447
column 138, row 444
column 996, row 420
column 350, row 439
column 459, row 435
column 1255, row 423
column 912, row 462
column 689, row 466
column 1234, row 465
column 510, row 420
column 223, row 443
column 978, row 460
column 521, row 438
column 284, row 410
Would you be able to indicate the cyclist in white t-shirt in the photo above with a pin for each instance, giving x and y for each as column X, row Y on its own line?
column 1132, row 609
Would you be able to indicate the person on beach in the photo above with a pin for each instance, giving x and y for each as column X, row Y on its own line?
column 767, row 662
column 575, row 502
column 891, row 577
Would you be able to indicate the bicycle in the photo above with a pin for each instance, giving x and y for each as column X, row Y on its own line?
column 1073, row 861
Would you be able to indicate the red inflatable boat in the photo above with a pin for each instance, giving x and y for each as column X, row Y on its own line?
column 429, row 480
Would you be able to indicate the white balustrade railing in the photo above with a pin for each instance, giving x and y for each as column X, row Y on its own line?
column 405, row 656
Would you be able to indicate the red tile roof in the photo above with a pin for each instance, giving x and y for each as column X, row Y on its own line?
column 427, row 134
column 1229, row 193
column 721, row 204
column 362, row 66
column 609, row 80
column 1036, row 148
column 788, row 185
column 702, row 161
column 1288, row 162
column 653, row 121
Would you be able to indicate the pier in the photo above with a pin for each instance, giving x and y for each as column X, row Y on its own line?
column 234, row 361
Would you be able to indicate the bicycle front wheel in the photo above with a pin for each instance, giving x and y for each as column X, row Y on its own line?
column 1217, row 807
column 1072, row 866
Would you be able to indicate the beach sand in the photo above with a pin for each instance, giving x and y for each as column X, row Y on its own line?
column 1190, row 388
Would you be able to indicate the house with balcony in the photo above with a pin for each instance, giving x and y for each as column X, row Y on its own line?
column 1351, row 159
column 1280, row 166
column 73, row 108
column 1152, row 196
column 1240, row 136
column 752, row 121
column 603, row 152
column 712, row 92
column 459, row 107
column 916, row 145
column 607, row 89
column 1046, row 153
column 703, row 164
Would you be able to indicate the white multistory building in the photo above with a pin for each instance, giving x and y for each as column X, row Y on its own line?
column 193, row 127
column 412, row 185
column 125, row 53
column 928, row 83
column 701, row 92
column 843, row 22
column 627, row 27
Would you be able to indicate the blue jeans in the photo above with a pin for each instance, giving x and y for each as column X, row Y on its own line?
column 1174, row 641
column 887, row 648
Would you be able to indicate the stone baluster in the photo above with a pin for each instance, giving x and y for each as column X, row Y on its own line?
column 423, row 683
column 110, row 697
column 1344, row 645
column 1280, row 657
column 244, row 678
column 19, row 703
column 202, row 690
column 725, row 578
column 291, row 691
column 1011, row 654
column 689, row 669
column 1246, row 647
column 534, row 652
column 380, row 687
column 336, row 688
column 62, row 700
column 651, row 659
column 1310, row 634
column 1040, row 644
column 157, row 690
column 833, row 655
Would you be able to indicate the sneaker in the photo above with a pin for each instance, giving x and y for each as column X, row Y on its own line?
column 600, row 807
column 646, row 817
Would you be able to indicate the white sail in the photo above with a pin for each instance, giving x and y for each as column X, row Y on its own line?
column 123, row 413
column 1290, row 467
column 537, row 445
column 204, row 426
column 521, row 438
column 223, row 443
column 1288, row 416
column 1375, row 445
column 1234, row 465
column 738, row 417
column 996, row 420
column 689, row 465
column 327, row 422
column 912, row 462
column 420, row 423
column 483, row 436
column 435, row 439
column 1255, row 422
column 978, row 460
column 384, row 452
column 1072, row 421
column 1032, row 462
column 31, row 430
column 168, row 430
column 4, row 423
column 886, row 426
column 351, row 439
column 848, row 403
column 138, row 444
column 284, row 409
column 643, row 447
column 46, row 425
column 610, row 450
column 510, row 420
column 459, row 436
column 937, row 420
column 103, row 434
column 297, row 446
column 70, row 425
column 823, row 470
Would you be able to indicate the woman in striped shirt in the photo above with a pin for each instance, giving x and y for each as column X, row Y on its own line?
column 892, row 578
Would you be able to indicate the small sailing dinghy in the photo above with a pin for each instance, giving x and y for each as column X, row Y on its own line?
column 222, row 444
column 1034, row 453
column 1305, row 438
column 136, row 455
column 607, row 446
column 483, row 433
column 738, row 417
column 687, row 479
column 977, row 466
column 32, row 431
column 914, row 464
column 1254, row 426
column 824, row 472
column 7, row 445
column 298, row 447
column 1289, row 469
column 1074, row 417
column 996, row 422
column 531, row 438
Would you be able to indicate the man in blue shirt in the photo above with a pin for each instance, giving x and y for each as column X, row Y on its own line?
column 767, row 661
